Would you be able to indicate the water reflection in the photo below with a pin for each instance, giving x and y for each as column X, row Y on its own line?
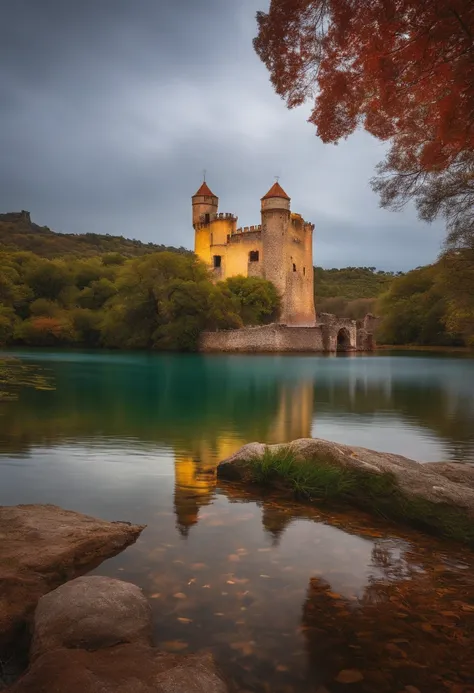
column 419, row 406
column 285, row 596
column 335, row 592
column 195, row 473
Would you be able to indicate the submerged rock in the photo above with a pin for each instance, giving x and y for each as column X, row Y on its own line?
column 91, row 613
column 93, row 635
column 121, row 669
column 43, row 546
column 433, row 488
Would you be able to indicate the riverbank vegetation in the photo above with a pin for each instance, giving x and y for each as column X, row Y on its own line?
column 159, row 301
column 322, row 481
column 97, row 290
column 350, row 292
column 431, row 306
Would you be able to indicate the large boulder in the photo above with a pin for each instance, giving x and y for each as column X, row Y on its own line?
column 42, row 546
column 93, row 635
column 91, row 613
column 121, row 669
column 435, row 496
column 413, row 478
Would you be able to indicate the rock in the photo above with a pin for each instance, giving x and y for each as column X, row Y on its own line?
column 440, row 483
column 93, row 635
column 43, row 546
column 91, row 613
column 349, row 676
column 454, row 471
column 126, row 668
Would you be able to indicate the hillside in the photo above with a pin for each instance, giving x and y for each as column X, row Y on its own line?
column 18, row 232
column 352, row 282
column 350, row 292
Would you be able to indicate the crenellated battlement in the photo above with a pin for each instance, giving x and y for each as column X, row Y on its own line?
column 248, row 229
column 218, row 216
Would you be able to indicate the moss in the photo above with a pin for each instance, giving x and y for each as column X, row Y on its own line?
column 320, row 480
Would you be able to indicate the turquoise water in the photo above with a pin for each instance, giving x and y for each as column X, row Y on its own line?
column 137, row 437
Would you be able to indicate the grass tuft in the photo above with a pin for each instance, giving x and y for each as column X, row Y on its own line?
column 323, row 481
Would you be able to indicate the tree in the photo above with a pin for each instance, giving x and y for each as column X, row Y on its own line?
column 8, row 321
column 402, row 69
column 47, row 331
column 164, row 301
column 457, row 284
column 414, row 310
column 48, row 279
column 257, row 299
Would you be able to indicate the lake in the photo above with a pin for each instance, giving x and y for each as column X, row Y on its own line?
column 285, row 595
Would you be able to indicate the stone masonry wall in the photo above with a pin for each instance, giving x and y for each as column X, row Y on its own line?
column 268, row 338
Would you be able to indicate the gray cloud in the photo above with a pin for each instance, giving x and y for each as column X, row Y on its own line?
column 110, row 109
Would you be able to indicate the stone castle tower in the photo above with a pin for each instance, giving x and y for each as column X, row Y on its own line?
column 279, row 249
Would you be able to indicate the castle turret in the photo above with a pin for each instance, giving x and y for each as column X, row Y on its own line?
column 275, row 220
column 205, row 205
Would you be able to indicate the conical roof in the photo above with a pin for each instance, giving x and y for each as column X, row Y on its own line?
column 276, row 191
column 204, row 190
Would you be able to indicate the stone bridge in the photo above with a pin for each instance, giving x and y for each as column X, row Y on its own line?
column 344, row 334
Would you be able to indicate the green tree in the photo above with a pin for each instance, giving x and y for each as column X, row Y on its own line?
column 413, row 310
column 456, row 278
column 87, row 326
column 95, row 295
column 42, row 306
column 8, row 322
column 48, row 279
column 164, row 301
column 257, row 299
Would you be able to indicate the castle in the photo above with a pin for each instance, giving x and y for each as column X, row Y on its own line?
column 279, row 249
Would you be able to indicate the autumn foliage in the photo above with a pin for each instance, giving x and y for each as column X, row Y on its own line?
column 403, row 70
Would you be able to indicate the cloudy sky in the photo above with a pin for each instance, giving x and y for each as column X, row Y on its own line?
column 111, row 109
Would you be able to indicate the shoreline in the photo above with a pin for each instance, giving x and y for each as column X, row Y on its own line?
column 417, row 347
column 434, row 497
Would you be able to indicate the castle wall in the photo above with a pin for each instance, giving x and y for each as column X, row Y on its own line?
column 268, row 338
column 299, row 296
column 275, row 263
column 202, row 242
column 220, row 229
column 238, row 254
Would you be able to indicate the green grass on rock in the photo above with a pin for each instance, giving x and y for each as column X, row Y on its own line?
column 323, row 481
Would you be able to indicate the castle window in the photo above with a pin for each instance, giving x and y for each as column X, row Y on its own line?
column 253, row 256
column 217, row 261
column 304, row 270
column 207, row 218
column 294, row 267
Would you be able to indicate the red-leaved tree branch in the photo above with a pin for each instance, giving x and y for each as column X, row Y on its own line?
column 401, row 69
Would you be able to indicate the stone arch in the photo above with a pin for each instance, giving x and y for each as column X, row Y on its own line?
column 343, row 340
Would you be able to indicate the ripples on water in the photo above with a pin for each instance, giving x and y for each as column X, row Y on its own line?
column 286, row 596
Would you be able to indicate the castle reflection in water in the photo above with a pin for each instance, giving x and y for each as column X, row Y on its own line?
column 200, row 409
column 195, row 473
